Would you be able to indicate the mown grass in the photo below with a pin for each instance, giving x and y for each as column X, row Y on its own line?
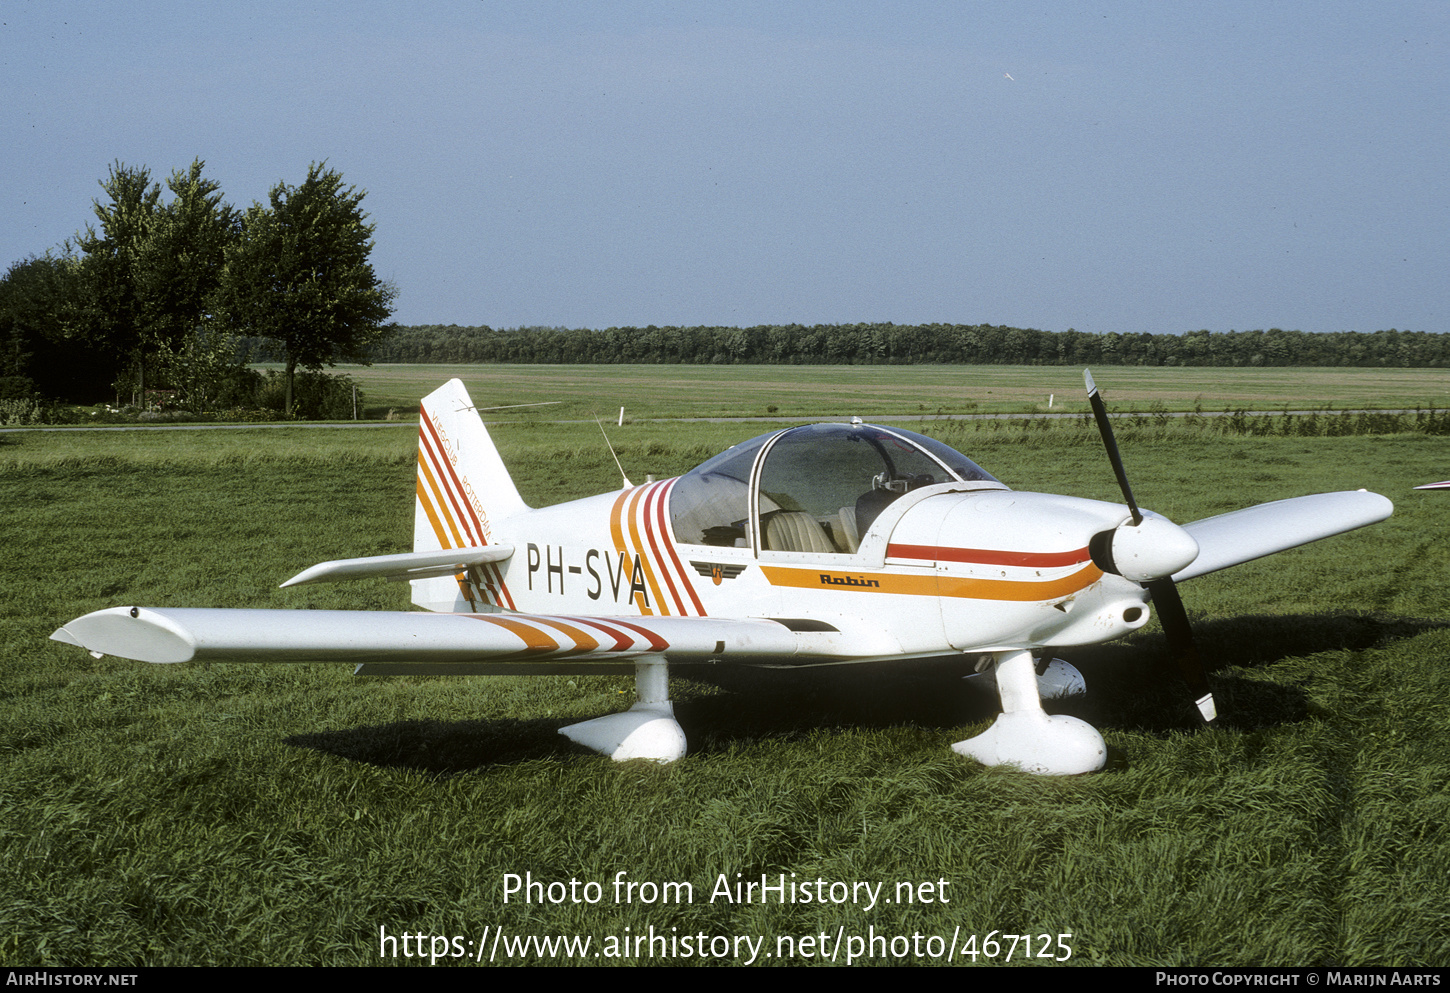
column 280, row 815
column 867, row 391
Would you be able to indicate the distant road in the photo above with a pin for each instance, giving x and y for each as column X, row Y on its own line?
column 706, row 420
column 213, row 427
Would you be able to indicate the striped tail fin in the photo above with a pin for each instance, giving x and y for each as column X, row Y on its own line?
column 463, row 491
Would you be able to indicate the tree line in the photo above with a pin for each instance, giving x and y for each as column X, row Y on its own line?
column 180, row 293
column 906, row 344
column 157, row 292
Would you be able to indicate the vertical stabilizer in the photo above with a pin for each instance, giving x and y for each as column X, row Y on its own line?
column 463, row 491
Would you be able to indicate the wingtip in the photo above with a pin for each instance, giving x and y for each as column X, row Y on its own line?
column 65, row 637
column 129, row 633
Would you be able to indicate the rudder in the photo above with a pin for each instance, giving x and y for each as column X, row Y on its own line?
column 463, row 489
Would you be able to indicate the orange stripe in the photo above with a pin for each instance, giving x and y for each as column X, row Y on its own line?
column 493, row 589
column 616, row 531
column 462, row 577
column 632, row 514
column 684, row 577
column 439, row 502
column 536, row 640
column 432, row 517
column 582, row 641
column 614, row 516
column 654, row 499
column 452, row 486
column 621, row 641
column 656, row 642
column 933, row 585
column 494, row 586
column 998, row 589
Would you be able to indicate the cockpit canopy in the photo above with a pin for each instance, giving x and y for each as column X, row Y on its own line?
column 816, row 488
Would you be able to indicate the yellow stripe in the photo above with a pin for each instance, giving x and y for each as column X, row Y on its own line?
column 440, row 502
column 427, row 505
column 642, row 550
column 614, row 528
column 536, row 640
column 464, row 583
column 1000, row 589
column 583, row 641
column 933, row 585
column 661, row 599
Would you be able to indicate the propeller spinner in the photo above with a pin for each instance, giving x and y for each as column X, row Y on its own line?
column 1149, row 550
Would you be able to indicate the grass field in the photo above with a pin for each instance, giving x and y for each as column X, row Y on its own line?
column 231, row 814
column 843, row 391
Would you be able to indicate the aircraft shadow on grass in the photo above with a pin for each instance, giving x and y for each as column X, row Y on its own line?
column 755, row 704
column 1127, row 688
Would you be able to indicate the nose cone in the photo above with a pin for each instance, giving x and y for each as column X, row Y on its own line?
column 1151, row 550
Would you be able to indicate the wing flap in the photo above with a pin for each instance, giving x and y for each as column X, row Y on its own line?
column 367, row 636
column 408, row 565
column 1252, row 533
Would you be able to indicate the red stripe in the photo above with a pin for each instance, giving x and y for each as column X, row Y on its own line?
column 656, row 642
column 536, row 641
column 982, row 556
column 622, row 642
column 583, row 641
column 494, row 579
column 670, row 547
column 453, row 488
column 653, row 497
column 444, row 472
column 631, row 526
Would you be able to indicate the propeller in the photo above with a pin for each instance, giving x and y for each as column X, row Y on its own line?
column 1148, row 550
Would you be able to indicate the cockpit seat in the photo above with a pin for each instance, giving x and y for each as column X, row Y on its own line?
column 796, row 531
column 869, row 506
column 851, row 537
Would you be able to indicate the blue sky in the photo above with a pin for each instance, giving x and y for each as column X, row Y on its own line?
column 1110, row 167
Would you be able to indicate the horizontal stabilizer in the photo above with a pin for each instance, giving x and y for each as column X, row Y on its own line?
column 1252, row 533
column 371, row 636
column 408, row 565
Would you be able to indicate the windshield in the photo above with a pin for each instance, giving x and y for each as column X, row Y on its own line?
column 821, row 486
column 709, row 505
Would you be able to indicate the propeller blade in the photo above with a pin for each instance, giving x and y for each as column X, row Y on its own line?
column 1180, row 643
column 1163, row 590
column 1100, row 414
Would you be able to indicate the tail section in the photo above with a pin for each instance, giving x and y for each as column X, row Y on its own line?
column 463, row 491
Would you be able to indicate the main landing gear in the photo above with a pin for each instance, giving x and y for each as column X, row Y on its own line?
column 648, row 730
column 1023, row 735
column 1028, row 737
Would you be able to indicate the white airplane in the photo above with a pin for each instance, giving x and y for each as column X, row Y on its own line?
column 813, row 545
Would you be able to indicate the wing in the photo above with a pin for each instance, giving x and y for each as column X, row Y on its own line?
column 1254, row 532
column 395, row 641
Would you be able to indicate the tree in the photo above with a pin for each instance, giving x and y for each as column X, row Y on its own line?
column 43, row 345
column 299, row 275
column 109, row 271
column 149, row 274
column 180, row 261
